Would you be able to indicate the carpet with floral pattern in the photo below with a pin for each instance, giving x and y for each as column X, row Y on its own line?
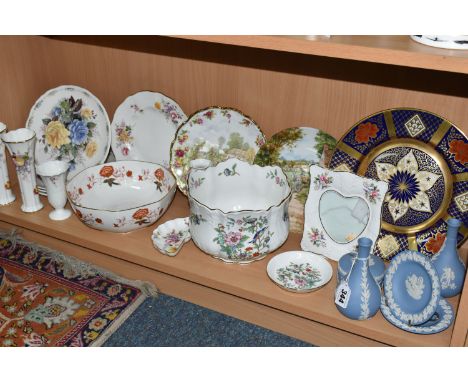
column 49, row 299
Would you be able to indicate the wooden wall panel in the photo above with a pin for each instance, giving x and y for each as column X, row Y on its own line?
column 277, row 89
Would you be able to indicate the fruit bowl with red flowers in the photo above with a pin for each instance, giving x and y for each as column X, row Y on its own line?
column 121, row 196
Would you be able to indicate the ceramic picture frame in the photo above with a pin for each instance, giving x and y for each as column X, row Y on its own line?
column 341, row 207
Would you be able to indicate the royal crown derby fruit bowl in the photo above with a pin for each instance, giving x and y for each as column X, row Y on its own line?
column 238, row 211
column 121, row 196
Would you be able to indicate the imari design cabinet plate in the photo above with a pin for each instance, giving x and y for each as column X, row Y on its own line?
column 424, row 159
column 71, row 125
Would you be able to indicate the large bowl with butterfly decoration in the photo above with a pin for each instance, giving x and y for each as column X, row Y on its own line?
column 238, row 211
column 121, row 196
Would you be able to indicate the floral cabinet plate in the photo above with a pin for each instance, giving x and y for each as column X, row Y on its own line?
column 144, row 126
column 70, row 125
column 341, row 207
column 424, row 159
column 216, row 134
column 299, row 271
column 411, row 287
column 294, row 150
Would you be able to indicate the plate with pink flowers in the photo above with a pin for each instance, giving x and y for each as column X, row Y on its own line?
column 144, row 126
column 299, row 271
column 217, row 134
column 71, row 125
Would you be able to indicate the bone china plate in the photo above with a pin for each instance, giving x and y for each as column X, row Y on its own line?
column 411, row 288
column 424, row 159
column 299, row 271
column 144, row 126
column 70, row 125
column 216, row 134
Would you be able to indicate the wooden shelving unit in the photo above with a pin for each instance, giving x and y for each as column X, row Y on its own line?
column 280, row 82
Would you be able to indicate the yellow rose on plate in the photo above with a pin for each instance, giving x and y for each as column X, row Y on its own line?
column 86, row 113
column 56, row 134
column 125, row 137
column 91, row 148
column 157, row 105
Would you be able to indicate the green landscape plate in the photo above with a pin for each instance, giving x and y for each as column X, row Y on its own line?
column 295, row 150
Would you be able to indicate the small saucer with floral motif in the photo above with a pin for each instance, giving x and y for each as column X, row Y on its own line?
column 299, row 271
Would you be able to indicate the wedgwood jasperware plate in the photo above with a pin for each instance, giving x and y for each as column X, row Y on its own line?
column 294, row 150
column 341, row 207
column 441, row 320
column 71, row 125
column 423, row 157
column 144, row 126
column 216, row 134
column 411, row 287
column 298, row 271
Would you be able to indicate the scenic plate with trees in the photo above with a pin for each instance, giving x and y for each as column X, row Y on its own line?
column 216, row 134
column 295, row 149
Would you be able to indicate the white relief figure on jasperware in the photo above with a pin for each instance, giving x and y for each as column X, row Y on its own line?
column 415, row 286
column 447, row 278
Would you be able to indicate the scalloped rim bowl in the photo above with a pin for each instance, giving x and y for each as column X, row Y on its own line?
column 239, row 211
column 121, row 196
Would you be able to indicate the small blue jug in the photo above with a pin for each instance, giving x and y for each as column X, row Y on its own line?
column 364, row 301
column 448, row 264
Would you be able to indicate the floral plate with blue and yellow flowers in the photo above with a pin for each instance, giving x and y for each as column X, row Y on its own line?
column 71, row 125
column 424, row 159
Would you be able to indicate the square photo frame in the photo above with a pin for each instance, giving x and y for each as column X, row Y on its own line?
column 341, row 207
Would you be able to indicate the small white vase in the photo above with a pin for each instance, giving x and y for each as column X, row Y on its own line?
column 6, row 195
column 53, row 174
column 20, row 143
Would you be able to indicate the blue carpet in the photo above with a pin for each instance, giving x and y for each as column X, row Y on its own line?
column 168, row 321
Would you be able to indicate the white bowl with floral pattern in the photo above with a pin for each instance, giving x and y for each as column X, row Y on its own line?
column 121, row 196
column 238, row 211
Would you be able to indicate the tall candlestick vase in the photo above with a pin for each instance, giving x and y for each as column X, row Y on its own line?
column 6, row 194
column 448, row 264
column 364, row 300
column 20, row 143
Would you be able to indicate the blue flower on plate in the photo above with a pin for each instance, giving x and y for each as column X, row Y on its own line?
column 403, row 186
column 78, row 131
column 56, row 111
column 407, row 185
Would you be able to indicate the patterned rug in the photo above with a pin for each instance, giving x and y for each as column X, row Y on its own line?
column 49, row 299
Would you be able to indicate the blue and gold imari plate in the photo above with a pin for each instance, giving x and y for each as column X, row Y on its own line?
column 424, row 159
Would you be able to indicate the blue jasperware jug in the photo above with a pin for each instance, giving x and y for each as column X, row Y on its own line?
column 448, row 264
column 364, row 299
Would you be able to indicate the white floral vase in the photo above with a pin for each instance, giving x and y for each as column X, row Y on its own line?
column 20, row 143
column 6, row 195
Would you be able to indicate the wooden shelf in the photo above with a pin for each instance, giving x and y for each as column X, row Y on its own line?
column 280, row 81
column 249, row 282
column 392, row 50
